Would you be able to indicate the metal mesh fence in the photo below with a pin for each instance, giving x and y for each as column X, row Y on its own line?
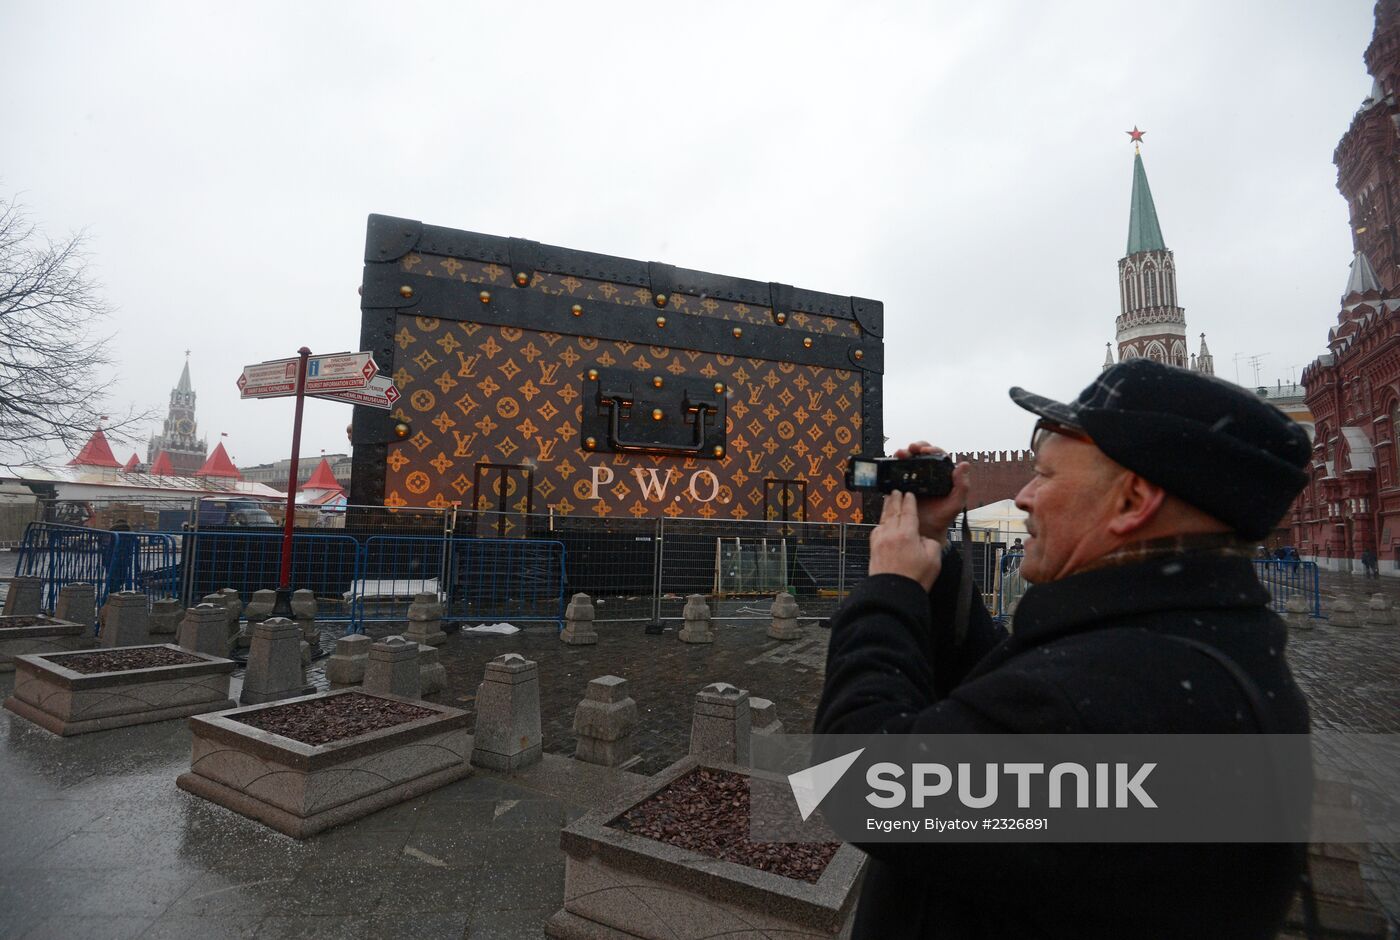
column 368, row 566
column 110, row 561
column 1285, row 579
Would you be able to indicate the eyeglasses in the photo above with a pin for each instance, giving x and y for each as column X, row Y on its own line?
column 1046, row 426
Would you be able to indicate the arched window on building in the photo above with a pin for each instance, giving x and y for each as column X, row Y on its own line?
column 1149, row 285
column 1168, row 286
column 1179, row 353
column 1157, row 352
column 1129, row 287
column 1129, row 352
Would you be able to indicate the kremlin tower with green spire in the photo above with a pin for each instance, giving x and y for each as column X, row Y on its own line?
column 1151, row 323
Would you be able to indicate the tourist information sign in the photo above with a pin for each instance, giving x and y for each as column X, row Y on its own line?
column 336, row 372
column 379, row 393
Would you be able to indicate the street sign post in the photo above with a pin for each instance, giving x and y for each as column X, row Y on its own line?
column 347, row 377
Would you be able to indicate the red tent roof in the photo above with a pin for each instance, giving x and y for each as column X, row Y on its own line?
column 323, row 479
column 163, row 467
column 132, row 464
column 219, row 465
column 95, row 453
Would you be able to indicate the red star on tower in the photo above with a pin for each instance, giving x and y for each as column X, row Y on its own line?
column 1135, row 134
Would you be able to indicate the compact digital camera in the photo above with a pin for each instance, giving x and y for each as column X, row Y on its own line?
column 925, row 475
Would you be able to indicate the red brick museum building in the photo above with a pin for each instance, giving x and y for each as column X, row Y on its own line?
column 1352, row 500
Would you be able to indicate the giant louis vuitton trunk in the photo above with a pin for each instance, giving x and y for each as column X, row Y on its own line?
column 545, row 380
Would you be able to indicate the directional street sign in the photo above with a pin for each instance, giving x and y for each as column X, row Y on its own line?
column 379, row 393
column 335, row 372
column 269, row 379
column 339, row 372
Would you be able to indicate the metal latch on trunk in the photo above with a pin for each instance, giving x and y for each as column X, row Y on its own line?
column 630, row 412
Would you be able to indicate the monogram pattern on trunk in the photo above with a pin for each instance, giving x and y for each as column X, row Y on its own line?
column 480, row 394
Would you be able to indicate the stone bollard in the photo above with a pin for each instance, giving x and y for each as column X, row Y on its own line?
column 392, row 668
column 25, row 597
column 578, row 622
column 260, row 606
column 275, row 670
column 226, row 599
column 77, row 603
column 128, row 621
column 347, row 664
column 304, row 610
column 722, row 724
column 763, row 717
column 697, row 621
column 1296, row 613
column 304, row 604
column 508, row 714
column 1344, row 612
column 204, row 630
column 605, row 723
column 432, row 675
column 166, row 615
column 784, row 626
column 1378, row 612
column 425, row 620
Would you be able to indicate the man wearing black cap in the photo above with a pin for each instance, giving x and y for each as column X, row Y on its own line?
column 1145, row 616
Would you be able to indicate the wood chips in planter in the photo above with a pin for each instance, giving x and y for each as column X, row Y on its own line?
column 707, row 811
column 122, row 660
column 335, row 718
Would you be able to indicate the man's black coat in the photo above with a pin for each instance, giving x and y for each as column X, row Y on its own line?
column 1087, row 656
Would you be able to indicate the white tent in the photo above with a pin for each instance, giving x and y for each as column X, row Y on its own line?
column 1001, row 516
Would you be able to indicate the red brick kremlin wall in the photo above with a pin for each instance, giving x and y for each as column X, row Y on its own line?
column 997, row 474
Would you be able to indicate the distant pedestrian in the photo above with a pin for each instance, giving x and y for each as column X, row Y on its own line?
column 1368, row 562
column 1016, row 546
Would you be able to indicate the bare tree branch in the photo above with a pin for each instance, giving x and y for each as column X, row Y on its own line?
column 54, row 367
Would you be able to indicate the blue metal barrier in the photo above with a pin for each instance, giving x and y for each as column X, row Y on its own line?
column 110, row 561
column 1285, row 579
column 505, row 579
column 248, row 561
column 393, row 569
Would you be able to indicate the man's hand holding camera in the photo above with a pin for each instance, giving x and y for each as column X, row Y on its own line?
column 910, row 538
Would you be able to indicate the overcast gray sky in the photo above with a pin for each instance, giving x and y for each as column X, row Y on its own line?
column 963, row 162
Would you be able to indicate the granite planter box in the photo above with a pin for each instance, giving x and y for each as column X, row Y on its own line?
column 20, row 636
column 621, row 885
column 67, row 701
column 301, row 789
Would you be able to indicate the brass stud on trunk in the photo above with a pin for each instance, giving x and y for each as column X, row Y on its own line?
column 593, row 375
column 738, row 332
column 781, row 318
column 661, row 300
column 657, row 381
column 660, row 321
column 522, row 278
column 576, row 310
column 485, row 296
column 590, row 443
column 656, row 414
column 406, row 291
column 860, row 354
column 807, row 342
